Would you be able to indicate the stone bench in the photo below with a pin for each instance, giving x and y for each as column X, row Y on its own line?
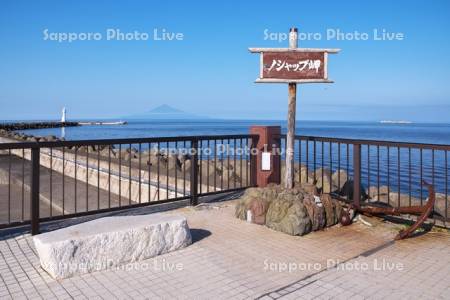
column 108, row 242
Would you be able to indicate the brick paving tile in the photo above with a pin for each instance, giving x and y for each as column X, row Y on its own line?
column 245, row 261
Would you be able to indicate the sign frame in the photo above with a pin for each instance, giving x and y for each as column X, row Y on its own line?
column 292, row 82
column 325, row 51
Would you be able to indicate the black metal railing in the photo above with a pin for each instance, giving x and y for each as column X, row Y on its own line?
column 376, row 171
column 42, row 181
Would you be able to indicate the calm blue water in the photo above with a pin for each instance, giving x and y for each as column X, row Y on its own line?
column 420, row 133
column 434, row 167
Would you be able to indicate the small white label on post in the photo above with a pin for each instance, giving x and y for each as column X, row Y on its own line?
column 249, row 216
column 265, row 164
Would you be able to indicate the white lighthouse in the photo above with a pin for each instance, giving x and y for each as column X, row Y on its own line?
column 63, row 117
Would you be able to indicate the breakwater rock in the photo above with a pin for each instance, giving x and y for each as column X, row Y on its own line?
column 35, row 125
column 10, row 130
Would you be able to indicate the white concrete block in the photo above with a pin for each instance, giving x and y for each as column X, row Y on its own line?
column 109, row 242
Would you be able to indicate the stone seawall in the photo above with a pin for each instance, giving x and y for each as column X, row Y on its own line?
column 108, row 175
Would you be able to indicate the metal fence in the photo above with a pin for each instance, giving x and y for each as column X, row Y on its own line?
column 388, row 173
column 44, row 181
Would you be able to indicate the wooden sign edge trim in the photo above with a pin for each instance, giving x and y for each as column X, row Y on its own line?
column 276, row 80
column 262, row 50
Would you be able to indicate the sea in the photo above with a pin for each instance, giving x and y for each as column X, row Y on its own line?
column 404, row 132
column 380, row 168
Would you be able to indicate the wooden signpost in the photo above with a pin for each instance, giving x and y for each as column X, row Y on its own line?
column 292, row 65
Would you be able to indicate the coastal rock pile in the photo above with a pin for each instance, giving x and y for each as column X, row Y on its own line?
column 326, row 181
column 35, row 125
column 294, row 211
column 11, row 130
column 386, row 196
column 19, row 136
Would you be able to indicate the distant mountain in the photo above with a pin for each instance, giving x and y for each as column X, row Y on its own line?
column 165, row 112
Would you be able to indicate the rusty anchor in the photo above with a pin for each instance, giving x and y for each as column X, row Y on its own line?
column 423, row 211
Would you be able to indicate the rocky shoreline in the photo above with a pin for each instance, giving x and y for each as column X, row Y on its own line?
column 325, row 180
column 10, row 130
column 338, row 182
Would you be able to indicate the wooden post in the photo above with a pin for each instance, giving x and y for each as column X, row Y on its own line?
column 292, row 65
column 290, row 138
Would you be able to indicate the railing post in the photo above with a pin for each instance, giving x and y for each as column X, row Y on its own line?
column 35, row 171
column 356, row 175
column 194, row 172
column 254, row 161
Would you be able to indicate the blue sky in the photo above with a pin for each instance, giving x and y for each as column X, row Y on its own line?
column 210, row 72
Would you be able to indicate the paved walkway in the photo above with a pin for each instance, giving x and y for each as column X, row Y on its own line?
column 233, row 259
column 418, row 268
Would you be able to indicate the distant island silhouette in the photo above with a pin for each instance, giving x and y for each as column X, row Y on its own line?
column 165, row 112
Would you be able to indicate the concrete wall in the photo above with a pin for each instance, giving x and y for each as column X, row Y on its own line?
column 105, row 175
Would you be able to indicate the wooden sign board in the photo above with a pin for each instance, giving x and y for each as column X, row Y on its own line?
column 293, row 65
